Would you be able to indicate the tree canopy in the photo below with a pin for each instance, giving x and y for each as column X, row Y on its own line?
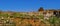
column 41, row 9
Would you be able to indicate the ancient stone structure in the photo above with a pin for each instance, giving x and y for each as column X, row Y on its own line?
column 49, row 13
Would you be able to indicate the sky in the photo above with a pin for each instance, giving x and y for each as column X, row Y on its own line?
column 28, row 5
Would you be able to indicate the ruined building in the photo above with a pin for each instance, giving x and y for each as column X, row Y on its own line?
column 50, row 12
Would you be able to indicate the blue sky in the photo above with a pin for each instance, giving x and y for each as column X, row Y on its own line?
column 28, row 5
